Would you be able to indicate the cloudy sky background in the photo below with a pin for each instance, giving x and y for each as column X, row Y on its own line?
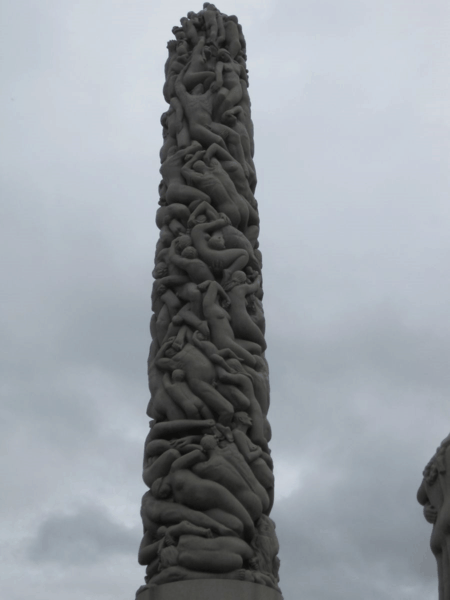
column 351, row 111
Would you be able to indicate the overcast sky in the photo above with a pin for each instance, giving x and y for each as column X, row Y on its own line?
column 350, row 103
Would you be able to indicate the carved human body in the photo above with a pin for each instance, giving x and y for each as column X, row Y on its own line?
column 198, row 107
column 198, row 71
column 209, row 241
column 228, row 79
column 201, row 494
column 434, row 495
column 241, row 322
column 200, row 375
column 223, row 194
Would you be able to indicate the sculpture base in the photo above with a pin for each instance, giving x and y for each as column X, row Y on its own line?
column 209, row 589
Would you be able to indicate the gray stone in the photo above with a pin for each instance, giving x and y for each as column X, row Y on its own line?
column 432, row 495
column 207, row 530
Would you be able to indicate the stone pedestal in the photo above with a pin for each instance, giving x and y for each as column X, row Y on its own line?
column 210, row 589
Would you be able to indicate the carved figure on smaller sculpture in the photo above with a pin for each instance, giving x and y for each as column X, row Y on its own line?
column 434, row 495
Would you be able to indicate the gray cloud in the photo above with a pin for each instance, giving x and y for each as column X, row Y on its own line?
column 86, row 537
column 350, row 104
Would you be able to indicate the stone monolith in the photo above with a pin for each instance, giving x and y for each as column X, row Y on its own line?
column 207, row 463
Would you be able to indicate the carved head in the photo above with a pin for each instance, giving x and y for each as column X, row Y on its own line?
column 162, row 189
column 172, row 45
column 163, row 119
column 189, row 252
column 178, row 375
column 161, row 489
column 228, row 118
column 200, row 167
column 217, row 241
column 242, row 418
column 182, row 45
column 161, row 532
column 237, row 278
column 224, row 55
column 160, row 270
column 183, row 241
column 173, row 150
column 225, row 303
column 161, row 290
column 198, row 90
column 208, row 442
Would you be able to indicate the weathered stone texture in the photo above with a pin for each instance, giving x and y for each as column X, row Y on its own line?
column 207, row 460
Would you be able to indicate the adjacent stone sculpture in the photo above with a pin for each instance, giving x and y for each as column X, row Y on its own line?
column 207, row 460
column 434, row 495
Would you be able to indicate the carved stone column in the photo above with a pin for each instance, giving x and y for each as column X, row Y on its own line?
column 207, row 463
